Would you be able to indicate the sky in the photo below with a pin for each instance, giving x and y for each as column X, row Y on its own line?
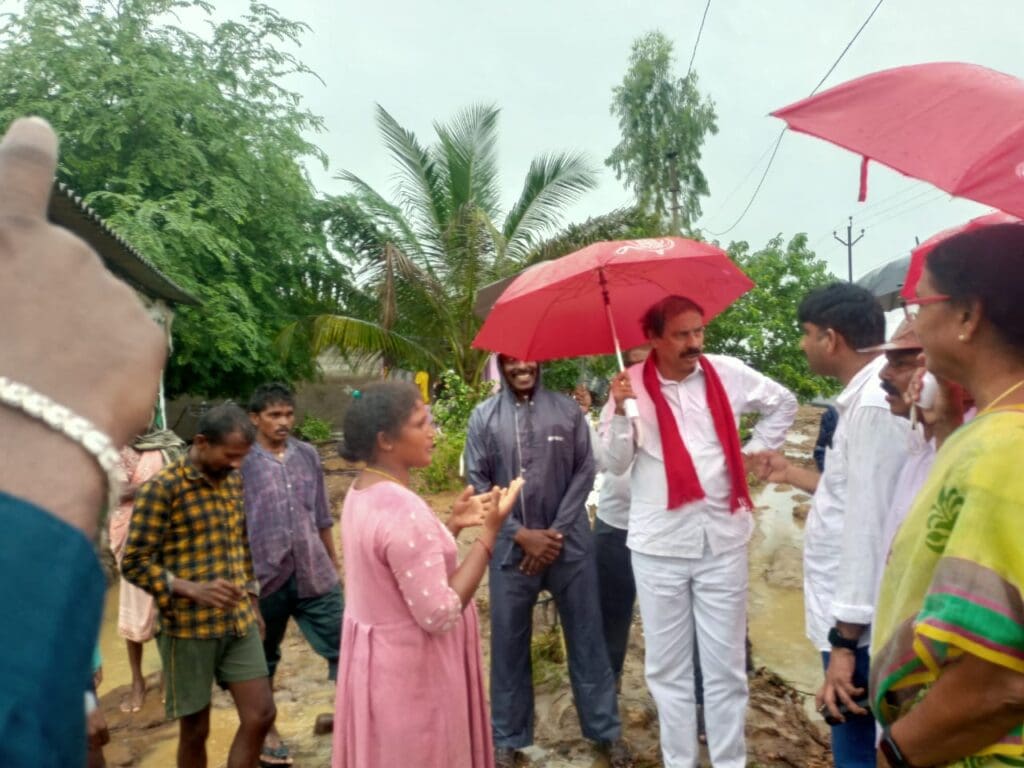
column 550, row 65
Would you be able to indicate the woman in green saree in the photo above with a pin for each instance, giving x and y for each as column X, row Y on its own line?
column 947, row 681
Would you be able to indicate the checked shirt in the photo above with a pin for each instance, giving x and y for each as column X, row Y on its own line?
column 186, row 526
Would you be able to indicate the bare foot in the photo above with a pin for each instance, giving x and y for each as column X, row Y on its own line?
column 134, row 700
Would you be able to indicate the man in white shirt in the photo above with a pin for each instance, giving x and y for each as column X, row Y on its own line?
column 853, row 498
column 690, row 521
column 614, row 572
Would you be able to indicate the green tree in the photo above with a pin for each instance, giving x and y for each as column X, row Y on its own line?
column 422, row 257
column 663, row 121
column 192, row 149
column 761, row 327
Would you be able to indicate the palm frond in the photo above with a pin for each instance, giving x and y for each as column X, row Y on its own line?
column 552, row 183
column 354, row 338
column 422, row 186
column 387, row 215
column 467, row 151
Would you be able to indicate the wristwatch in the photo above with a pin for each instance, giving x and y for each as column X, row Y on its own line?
column 836, row 640
column 892, row 753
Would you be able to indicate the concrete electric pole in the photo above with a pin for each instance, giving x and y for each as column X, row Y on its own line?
column 849, row 242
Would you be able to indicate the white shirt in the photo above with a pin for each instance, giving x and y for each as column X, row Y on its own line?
column 843, row 540
column 683, row 531
column 613, row 496
column 920, row 457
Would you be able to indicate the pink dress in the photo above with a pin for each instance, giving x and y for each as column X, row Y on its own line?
column 410, row 688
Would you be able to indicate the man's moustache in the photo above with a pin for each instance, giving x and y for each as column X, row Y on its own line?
column 890, row 389
column 689, row 352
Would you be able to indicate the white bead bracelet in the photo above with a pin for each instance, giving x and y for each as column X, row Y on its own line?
column 62, row 419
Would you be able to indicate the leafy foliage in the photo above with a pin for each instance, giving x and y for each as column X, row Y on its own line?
column 761, row 327
column 456, row 400
column 451, row 410
column 192, row 149
column 423, row 254
column 663, row 121
column 313, row 429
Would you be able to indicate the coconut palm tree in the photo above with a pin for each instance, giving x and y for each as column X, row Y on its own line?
column 421, row 255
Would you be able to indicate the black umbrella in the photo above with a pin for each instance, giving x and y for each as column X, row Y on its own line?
column 886, row 281
column 490, row 293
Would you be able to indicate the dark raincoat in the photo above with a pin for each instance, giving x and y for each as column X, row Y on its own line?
column 545, row 439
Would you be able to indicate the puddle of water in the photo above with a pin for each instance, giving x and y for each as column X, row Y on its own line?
column 776, row 613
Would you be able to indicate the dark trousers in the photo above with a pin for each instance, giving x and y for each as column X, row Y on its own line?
column 318, row 617
column 616, row 588
column 853, row 742
column 513, row 596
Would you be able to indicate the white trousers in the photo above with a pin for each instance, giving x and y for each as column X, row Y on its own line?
column 678, row 596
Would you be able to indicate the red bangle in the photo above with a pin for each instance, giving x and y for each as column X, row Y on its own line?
column 488, row 550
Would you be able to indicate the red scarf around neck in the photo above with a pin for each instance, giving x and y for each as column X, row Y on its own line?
column 683, row 484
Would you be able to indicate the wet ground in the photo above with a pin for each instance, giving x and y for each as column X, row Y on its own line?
column 782, row 729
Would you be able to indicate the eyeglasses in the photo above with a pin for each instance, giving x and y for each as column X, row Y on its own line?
column 911, row 307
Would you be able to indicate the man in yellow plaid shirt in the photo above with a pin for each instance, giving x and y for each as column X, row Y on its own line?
column 187, row 547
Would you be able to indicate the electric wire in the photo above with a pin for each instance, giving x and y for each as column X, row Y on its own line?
column 696, row 42
column 778, row 141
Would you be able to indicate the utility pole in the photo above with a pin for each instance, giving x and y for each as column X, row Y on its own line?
column 849, row 242
column 671, row 156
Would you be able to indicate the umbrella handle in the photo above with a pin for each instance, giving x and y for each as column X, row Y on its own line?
column 629, row 406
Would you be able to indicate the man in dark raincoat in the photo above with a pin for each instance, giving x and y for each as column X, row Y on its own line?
column 546, row 543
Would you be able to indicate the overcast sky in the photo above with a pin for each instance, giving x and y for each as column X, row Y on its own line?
column 550, row 66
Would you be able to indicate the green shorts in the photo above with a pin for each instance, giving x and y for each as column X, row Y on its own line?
column 191, row 666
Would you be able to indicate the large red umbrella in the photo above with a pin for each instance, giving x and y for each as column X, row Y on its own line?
column 920, row 253
column 958, row 126
column 590, row 302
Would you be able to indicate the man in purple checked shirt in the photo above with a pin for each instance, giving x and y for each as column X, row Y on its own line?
column 290, row 535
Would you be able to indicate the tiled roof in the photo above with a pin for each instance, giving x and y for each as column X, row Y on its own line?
column 67, row 209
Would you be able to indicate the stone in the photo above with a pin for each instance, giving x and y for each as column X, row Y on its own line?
column 324, row 724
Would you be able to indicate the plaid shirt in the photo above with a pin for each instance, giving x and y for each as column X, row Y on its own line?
column 185, row 525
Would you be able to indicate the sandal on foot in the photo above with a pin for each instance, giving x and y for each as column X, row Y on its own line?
column 273, row 756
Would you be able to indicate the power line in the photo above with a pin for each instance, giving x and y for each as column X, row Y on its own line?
column 735, row 189
column 883, row 213
column 696, row 42
column 877, row 209
column 848, row 45
column 921, row 204
column 757, row 189
column 782, row 133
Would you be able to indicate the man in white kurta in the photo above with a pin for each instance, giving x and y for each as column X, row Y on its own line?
column 690, row 562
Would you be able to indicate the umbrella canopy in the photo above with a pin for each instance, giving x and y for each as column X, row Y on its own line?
column 886, row 281
column 958, row 126
column 583, row 303
column 920, row 253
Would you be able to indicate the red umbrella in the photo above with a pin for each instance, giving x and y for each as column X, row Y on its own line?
column 958, row 126
column 590, row 302
column 920, row 253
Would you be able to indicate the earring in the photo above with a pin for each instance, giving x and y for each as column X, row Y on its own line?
column 962, row 337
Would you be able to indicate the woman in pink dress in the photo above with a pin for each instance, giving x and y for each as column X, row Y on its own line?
column 410, row 686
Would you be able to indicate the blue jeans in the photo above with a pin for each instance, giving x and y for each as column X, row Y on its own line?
column 617, row 590
column 513, row 594
column 853, row 742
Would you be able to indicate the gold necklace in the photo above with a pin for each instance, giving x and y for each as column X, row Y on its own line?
column 382, row 473
column 1006, row 393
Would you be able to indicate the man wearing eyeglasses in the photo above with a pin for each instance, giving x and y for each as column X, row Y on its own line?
column 843, row 326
